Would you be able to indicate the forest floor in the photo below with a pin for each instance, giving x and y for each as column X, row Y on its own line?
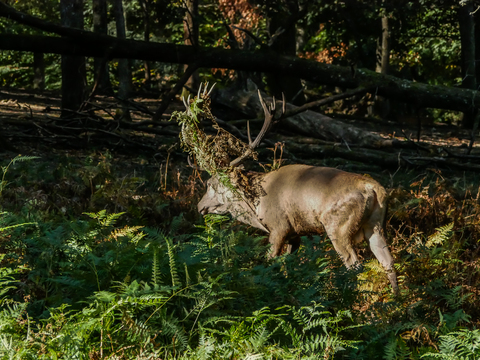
column 32, row 125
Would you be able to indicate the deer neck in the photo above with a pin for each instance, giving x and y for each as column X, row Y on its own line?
column 250, row 191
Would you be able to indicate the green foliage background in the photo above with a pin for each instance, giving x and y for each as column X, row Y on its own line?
column 425, row 36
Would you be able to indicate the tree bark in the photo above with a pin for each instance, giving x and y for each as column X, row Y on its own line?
column 73, row 67
column 383, row 47
column 124, row 72
column 146, row 37
column 382, row 104
column 100, row 26
column 467, row 37
column 190, row 36
column 282, row 29
column 38, row 71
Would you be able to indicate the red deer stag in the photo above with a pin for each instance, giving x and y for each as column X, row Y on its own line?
column 301, row 199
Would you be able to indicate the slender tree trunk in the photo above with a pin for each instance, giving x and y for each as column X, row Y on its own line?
column 190, row 36
column 146, row 31
column 350, row 13
column 476, row 18
column 73, row 67
column 100, row 25
column 285, row 43
column 467, row 36
column 382, row 105
column 124, row 72
column 383, row 48
column 38, row 71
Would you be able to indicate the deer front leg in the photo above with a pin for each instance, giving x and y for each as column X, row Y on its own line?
column 277, row 240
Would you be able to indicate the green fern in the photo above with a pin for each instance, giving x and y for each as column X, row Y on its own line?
column 4, row 228
column 105, row 219
column 442, row 235
column 463, row 344
column 18, row 158
column 172, row 262
column 397, row 349
column 155, row 268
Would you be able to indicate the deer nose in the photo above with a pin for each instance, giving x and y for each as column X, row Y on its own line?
column 203, row 210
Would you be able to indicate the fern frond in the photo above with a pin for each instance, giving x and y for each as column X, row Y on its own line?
column 126, row 231
column 22, row 158
column 442, row 234
column 18, row 158
column 16, row 225
column 105, row 219
column 155, row 268
column 172, row 262
column 134, row 325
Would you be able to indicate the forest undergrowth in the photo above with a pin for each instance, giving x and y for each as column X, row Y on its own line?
column 107, row 259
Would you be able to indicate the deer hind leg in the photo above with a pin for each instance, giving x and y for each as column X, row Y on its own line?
column 379, row 247
column 342, row 225
column 342, row 238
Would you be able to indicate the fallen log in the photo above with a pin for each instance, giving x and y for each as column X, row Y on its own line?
column 307, row 123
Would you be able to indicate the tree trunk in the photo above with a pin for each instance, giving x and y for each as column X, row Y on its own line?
column 382, row 105
column 383, row 48
column 38, row 71
column 146, row 36
column 284, row 43
column 350, row 13
column 190, row 36
column 124, row 72
column 100, row 25
column 73, row 67
column 467, row 36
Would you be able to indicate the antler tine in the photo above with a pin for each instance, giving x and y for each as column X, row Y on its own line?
column 284, row 104
column 248, row 133
column 208, row 94
column 269, row 112
column 199, row 91
column 185, row 102
column 205, row 90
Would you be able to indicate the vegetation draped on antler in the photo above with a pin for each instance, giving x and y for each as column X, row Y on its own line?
column 211, row 152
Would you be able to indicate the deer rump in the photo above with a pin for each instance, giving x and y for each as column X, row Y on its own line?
column 301, row 199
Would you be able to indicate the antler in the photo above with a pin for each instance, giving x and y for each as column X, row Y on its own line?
column 269, row 111
column 205, row 94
